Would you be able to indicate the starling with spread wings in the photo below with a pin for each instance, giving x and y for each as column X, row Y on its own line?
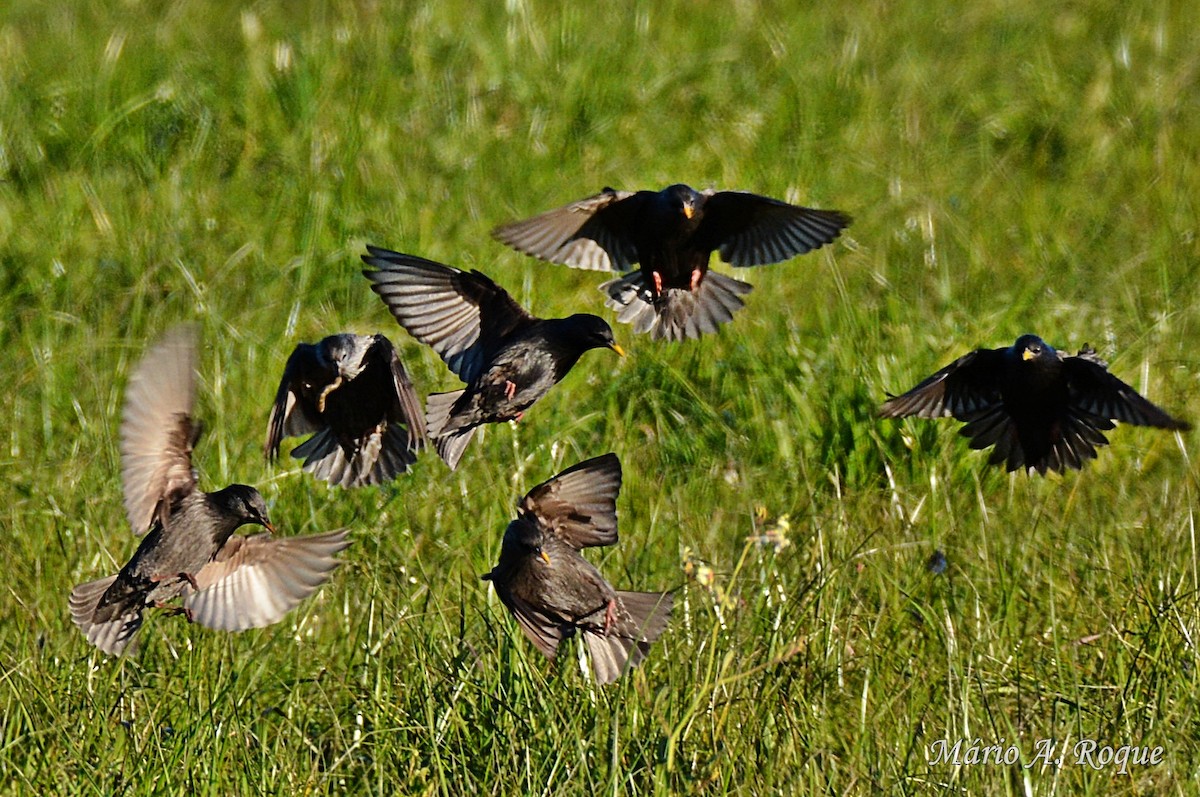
column 554, row 592
column 508, row 358
column 190, row 548
column 352, row 394
column 672, row 234
column 1042, row 410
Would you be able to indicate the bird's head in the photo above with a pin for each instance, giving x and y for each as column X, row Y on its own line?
column 524, row 539
column 341, row 353
column 684, row 200
column 1033, row 348
column 244, row 503
column 592, row 332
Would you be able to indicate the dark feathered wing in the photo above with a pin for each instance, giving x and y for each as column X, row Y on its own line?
column 541, row 629
column 254, row 581
column 461, row 315
column 287, row 419
column 592, row 233
column 407, row 401
column 579, row 505
column 751, row 230
column 157, row 432
column 1097, row 392
column 965, row 388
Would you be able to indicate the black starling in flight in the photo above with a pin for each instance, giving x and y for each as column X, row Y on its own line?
column 554, row 592
column 353, row 392
column 227, row 581
column 1042, row 411
column 508, row 358
column 672, row 234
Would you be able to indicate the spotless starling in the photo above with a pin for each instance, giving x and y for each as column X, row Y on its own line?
column 1041, row 409
column 508, row 358
column 227, row 581
column 353, row 392
column 672, row 234
column 554, row 592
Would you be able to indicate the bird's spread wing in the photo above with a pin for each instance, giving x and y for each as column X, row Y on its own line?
column 1094, row 390
column 752, row 230
column 383, row 354
column 157, row 432
column 579, row 505
column 287, row 420
column 543, row 630
column 964, row 388
column 254, row 581
column 592, row 233
column 461, row 315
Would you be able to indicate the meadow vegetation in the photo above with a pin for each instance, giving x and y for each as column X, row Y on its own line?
column 850, row 591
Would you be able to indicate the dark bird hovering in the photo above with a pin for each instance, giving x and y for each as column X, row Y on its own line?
column 227, row 581
column 554, row 592
column 353, row 392
column 508, row 358
column 672, row 234
column 1042, row 411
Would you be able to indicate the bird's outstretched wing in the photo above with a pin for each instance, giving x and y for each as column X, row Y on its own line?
column 593, row 233
column 254, row 581
column 157, row 431
column 461, row 315
column 966, row 387
column 383, row 354
column 579, row 505
column 1093, row 389
column 752, row 230
column 287, row 418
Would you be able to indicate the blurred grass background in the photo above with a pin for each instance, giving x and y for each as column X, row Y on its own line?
column 1012, row 167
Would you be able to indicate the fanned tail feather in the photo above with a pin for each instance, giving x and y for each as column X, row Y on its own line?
column 678, row 314
column 111, row 636
column 450, row 446
column 643, row 618
column 378, row 460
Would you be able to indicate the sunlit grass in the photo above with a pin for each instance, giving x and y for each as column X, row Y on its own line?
column 1011, row 168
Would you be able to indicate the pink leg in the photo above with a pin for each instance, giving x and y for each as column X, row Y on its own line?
column 610, row 615
column 657, row 283
column 510, row 388
column 696, row 275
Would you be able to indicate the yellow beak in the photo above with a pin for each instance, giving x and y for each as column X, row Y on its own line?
column 1027, row 355
column 688, row 210
column 545, row 557
column 620, row 352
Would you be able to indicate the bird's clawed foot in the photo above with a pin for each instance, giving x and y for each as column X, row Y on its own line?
column 657, row 283
column 610, row 615
column 173, row 610
column 510, row 389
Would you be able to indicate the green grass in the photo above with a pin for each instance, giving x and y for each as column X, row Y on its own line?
column 1011, row 167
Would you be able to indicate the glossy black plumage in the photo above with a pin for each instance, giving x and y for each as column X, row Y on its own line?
column 554, row 592
column 190, row 550
column 353, row 394
column 508, row 358
column 1042, row 410
column 672, row 234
